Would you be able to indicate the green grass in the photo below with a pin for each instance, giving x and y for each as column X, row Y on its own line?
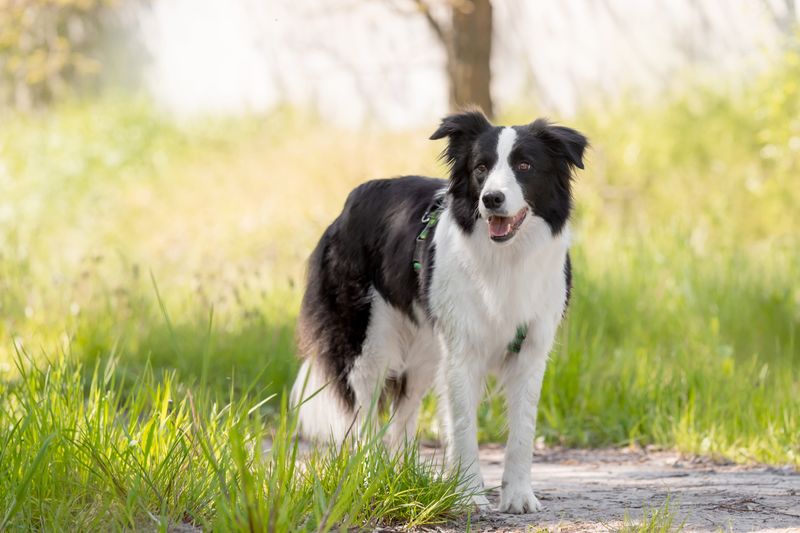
column 157, row 454
column 654, row 520
column 176, row 249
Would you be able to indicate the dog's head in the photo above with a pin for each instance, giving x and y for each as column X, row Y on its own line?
column 506, row 175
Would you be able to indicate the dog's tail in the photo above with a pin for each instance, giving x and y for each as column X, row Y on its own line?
column 321, row 414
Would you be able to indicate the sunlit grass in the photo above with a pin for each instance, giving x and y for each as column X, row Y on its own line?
column 156, row 454
column 682, row 329
column 654, row 520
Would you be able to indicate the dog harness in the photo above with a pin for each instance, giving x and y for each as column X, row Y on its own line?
column 430, row 219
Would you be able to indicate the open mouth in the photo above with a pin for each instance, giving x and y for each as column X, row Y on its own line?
column 502, row 229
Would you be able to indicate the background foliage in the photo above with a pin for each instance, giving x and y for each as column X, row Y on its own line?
column 175, row 249
column 50, row 47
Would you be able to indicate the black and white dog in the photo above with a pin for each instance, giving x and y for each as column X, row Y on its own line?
column 421, row 280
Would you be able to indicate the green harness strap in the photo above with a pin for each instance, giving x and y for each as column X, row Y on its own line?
column 516, row 345
column 430, row 219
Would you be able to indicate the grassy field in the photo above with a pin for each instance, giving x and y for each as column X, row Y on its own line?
column 151, row 270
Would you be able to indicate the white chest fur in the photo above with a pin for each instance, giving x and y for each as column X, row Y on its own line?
column 481, row 291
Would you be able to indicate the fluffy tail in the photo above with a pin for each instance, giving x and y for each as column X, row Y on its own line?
column 322, row 415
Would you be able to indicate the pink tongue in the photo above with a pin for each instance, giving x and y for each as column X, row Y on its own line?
column 499, row 226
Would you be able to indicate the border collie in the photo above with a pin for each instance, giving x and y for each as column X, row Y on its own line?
column 421, row 280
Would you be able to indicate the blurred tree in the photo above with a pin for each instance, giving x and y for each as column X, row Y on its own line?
column 467, row 41
column 784, row 14
column 45, row 47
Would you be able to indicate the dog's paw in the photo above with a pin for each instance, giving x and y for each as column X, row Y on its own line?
column 481, row 503
column 519, row 500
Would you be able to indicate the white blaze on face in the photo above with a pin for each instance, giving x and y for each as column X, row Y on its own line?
column 501, row 177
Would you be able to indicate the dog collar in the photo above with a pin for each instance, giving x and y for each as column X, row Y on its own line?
column 430, row 219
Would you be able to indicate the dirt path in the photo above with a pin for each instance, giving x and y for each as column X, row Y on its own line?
column 591, row 490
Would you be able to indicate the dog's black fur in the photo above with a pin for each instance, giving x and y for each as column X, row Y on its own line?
column 372, row 242
column 550, row 149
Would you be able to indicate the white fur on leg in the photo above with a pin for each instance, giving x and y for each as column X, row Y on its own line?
column 398, row 348
column 403, row 428
column 479, row 501
column 463, row 384
column 522, row 379
column 519, row 499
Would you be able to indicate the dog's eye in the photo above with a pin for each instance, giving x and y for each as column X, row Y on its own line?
column 523, row 166
column 481, row 169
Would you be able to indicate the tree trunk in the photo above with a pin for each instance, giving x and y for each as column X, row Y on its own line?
column 469, row 55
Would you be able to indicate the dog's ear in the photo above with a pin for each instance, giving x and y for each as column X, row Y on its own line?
column 566, row 142
column 468, row 123
column 461, row 129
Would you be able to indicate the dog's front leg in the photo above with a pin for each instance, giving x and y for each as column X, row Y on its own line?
column 522, row 379
column 460, row 388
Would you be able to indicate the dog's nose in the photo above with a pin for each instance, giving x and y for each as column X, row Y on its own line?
column 493, row 199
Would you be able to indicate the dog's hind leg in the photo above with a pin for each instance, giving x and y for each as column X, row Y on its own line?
column 413, row 385
column 412, row 377
column 381, row 352
column 367, row 379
